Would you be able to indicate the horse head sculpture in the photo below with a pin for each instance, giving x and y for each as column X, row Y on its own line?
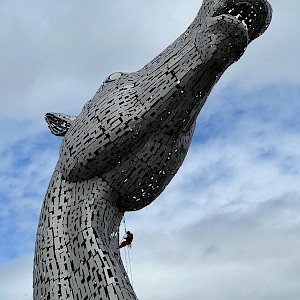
column 125, row 146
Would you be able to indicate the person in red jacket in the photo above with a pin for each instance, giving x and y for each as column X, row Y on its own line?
column 127, row 239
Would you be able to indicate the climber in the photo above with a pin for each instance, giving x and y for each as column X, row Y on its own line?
column 127, row 239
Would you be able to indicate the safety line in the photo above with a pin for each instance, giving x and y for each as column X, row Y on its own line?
column 128, row 270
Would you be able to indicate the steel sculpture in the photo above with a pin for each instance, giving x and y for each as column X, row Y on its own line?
column 124, row 148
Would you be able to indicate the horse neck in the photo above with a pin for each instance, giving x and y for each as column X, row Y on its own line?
column 77, row 253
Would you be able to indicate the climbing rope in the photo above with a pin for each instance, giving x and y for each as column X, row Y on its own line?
column 129, row 266
column 127, row 256
column 124, row 221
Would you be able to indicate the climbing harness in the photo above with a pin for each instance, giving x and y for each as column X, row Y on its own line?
column 127, row 256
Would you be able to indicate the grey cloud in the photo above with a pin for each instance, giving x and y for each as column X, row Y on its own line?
column 274, row 59
column 55, row 55
column 226, row 256
column 16, row 279
column 207, row 236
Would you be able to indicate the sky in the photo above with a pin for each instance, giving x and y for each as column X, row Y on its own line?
column 227, row 226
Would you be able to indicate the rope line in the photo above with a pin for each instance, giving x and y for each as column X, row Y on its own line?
column 127, row 256
column 130, row 266
column 124, row 223
column 126, row 266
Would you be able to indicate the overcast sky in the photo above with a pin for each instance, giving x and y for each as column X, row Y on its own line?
column 228, row 225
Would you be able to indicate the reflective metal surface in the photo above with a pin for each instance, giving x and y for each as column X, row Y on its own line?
column 124, row 148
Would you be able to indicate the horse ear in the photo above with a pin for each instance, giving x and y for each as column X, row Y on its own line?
column 59, row 123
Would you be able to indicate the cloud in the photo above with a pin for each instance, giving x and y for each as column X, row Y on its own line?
column 227, row 225
column 272, row 59
column 55, row 55
column 16, row 279
column 73, row 47
column 24, row 176
column 230, row 255
column 240, row 154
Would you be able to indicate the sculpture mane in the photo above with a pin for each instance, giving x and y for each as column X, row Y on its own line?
column 125, row 146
